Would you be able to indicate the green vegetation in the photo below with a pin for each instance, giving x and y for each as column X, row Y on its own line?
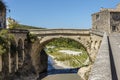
column 13, row 24
column 66, row 43
column 31, row 38
column 70, row 59
column 5, row 38
column 27, row 27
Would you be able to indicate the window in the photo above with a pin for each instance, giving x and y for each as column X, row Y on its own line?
column 97, row 16
column 113, row 28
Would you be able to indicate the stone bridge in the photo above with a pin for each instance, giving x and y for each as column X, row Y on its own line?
column 24, row 57
column 91, row 40
column 83, row 36
column 45, row 36
column 33, row 55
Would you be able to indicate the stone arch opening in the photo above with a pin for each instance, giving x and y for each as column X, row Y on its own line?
column 20, row 53
column 13, row 49
column 25, row 46
column 70, row 38
column 44, row 57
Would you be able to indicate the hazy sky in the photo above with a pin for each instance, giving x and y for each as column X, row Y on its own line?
column 56, row 13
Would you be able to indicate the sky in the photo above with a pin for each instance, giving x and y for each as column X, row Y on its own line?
column 52, row 14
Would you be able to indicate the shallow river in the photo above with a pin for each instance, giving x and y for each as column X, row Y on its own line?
column 55, row 72
column 59, row 74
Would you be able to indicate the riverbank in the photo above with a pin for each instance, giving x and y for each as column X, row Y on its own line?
column 67, row 58
column 58, row 64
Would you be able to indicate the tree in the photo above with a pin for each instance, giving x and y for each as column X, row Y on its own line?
column 5, row 38
column 12, row 23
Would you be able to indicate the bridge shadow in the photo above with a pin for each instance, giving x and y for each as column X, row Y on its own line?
column 57, row 71
column 113, row 69
column 52, row 70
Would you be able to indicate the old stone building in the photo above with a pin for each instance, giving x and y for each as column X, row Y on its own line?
column 107, row 20
column 2, row 14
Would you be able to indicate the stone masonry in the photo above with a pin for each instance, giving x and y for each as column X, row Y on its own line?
column 107, row 20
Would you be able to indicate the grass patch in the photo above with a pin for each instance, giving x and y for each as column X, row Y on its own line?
column 72, row 60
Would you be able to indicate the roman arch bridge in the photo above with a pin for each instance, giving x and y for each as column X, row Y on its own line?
column 83, row 36
column 95, row 42
column 91, row 40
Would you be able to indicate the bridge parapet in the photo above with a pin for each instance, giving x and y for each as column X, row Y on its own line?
column 18, row 31
column 59, row 31
column 97, row 32
column 101, row 69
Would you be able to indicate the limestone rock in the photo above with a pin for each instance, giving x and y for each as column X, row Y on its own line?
column 84, row 72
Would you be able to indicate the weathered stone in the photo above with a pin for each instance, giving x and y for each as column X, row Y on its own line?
column 107, row 20
column 101, row 69
column 84, row 72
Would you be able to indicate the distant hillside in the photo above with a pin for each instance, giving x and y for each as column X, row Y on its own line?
column 13, row 24
column 21, row 26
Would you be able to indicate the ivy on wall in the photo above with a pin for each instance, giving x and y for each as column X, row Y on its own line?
column 5, row 38
column 31, row 38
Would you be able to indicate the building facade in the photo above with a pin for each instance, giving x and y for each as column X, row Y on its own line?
column 2, row 14
column 107, row 20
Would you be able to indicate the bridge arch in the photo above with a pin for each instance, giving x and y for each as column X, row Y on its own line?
column 12, row 55
column 85, row 42
column 38, row 61
column 20, row 51
column 84, row 37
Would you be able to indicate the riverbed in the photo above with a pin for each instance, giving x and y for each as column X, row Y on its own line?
column 57, row 71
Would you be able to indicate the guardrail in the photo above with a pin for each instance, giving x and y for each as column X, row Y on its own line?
column 101, row 69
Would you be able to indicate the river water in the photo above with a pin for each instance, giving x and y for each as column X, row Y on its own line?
column 59, row 73
column 54, row 72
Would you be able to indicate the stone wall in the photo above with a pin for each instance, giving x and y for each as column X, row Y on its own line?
column 95, row 45
column 101, row 21
column 115, row 21
column 101, row 69
column 107, row 20
column 39, row 57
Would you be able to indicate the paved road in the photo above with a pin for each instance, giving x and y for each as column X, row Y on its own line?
column 115, row 49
